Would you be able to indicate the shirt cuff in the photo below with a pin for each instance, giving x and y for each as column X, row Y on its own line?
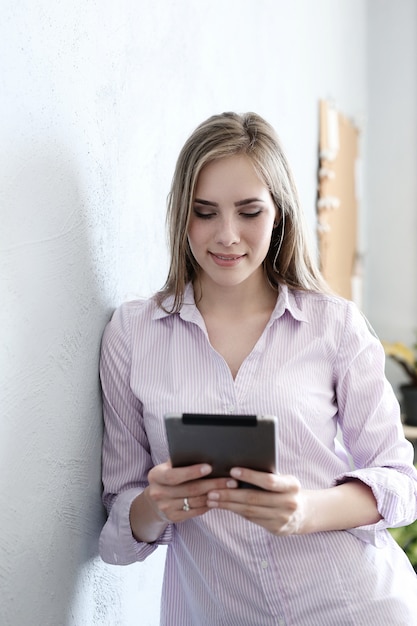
column 117, row 544
column 389, row 504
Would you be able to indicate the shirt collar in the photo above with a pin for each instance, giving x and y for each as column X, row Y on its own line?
column 288, row 300
column 188, row 310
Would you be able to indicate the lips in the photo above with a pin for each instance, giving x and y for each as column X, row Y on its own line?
column 227, row 257
column 226, row 260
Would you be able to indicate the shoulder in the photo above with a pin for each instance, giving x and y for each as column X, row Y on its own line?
column 134, row 309
column 332, row 312
column 129, row 315
column 314, row 304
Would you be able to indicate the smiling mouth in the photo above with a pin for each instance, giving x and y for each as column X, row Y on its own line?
column 227, row 257
column 227, row 260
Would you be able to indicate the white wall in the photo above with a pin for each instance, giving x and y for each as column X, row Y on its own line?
column 96, row 99
column 391, row 259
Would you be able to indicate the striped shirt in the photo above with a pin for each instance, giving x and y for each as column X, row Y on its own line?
column 316, row 367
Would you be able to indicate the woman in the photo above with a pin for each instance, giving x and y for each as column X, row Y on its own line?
column 246, row 324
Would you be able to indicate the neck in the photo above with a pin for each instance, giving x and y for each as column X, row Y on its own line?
column 237, row 301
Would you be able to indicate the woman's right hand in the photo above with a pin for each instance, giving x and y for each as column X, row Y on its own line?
column 174, row 494
column 180, row 493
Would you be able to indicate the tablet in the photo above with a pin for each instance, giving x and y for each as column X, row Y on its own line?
column 223, row 441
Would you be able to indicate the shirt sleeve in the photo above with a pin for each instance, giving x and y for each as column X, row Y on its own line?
column 126, row 458
column 369, row 417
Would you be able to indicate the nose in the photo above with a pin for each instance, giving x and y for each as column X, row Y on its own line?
column 227, row 232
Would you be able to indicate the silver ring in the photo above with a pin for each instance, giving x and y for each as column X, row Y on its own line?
column 186, row 506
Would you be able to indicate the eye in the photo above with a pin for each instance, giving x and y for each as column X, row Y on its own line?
column 202, row 215
column 251, row 214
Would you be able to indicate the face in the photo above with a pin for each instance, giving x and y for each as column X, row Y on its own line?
column 231, row 223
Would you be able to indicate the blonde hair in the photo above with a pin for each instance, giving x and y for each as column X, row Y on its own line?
column 289, row 259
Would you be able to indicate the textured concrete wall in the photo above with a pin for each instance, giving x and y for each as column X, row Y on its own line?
column 96, row 99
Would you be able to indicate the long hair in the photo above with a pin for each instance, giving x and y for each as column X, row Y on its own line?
column 289, row 259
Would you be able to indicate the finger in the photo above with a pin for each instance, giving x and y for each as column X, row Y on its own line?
column 279, row 483
column 193, row 489
column 192, row 503
column 181, row 509
column 249, row 510
column 247, row 498
column 203, row 487
column 165, row 474
column 172, row 509
column 169, row 499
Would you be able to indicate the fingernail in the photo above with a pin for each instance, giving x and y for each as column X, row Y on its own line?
column 205, row 469
column 236, row 472
column 231, row 484
column 212, row 504
column 213, row 495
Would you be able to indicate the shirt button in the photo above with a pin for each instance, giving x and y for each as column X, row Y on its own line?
column 264, row 564
column 230, row 408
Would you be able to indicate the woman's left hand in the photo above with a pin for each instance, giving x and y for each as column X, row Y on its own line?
column 279, row 506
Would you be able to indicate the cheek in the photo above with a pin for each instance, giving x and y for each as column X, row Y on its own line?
column 195, row 238
column 191, row 233
column 198, row 232
column 262, row 236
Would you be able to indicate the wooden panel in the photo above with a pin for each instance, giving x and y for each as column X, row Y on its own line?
column 337, row 204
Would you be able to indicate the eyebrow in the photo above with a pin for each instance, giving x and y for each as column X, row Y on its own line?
column 244, row 202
